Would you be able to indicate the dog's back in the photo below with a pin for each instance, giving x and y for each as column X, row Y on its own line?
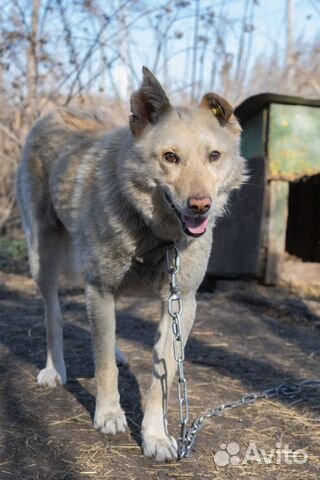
column 51, row 136
column 56, row 134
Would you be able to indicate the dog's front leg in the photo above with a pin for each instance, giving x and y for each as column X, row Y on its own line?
column 156, row 440
column 109, row 416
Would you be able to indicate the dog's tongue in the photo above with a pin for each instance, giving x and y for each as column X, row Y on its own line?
column 195, row 225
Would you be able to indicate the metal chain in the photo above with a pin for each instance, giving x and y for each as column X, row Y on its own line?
column 175, row 310
column 188, row 435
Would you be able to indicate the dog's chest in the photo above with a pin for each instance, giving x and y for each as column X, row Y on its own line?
column 147, row 271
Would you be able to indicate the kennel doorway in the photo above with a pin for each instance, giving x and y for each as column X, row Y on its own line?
column 303, row 225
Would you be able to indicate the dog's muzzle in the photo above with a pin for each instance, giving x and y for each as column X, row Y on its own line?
column 194, row 226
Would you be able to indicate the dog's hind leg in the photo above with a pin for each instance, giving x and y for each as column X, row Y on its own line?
column 46, row 253
column 156, row 440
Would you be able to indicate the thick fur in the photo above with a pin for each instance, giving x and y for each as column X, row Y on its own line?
column 102, row 202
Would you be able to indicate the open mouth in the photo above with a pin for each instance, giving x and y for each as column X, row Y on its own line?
column 192, row 226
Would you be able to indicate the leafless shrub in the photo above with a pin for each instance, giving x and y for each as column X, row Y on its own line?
column 89, row 52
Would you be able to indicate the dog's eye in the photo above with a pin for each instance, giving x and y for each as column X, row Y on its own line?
column 214, row 156
column 170, row 157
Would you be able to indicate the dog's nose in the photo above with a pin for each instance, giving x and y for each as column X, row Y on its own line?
column 199, row 204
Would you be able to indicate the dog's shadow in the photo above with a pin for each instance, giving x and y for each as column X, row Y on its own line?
column 78, row 351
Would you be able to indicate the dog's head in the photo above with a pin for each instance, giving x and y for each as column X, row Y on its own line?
column 187, row 160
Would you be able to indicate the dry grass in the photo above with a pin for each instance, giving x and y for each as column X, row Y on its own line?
column 236, row 348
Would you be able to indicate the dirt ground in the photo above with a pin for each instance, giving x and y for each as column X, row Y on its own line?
column 246, row 339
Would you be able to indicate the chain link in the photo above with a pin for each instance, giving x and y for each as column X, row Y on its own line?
column 188, row 435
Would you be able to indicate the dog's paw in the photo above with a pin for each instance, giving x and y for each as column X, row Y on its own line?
column 110, row 422
column 163, row 448
column 49, row 377
column 121, row 358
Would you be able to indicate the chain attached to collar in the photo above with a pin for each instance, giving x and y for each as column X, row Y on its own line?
column 175, row 310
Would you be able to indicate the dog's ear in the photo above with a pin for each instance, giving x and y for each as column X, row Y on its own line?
column 221, row 109
column 148, row 103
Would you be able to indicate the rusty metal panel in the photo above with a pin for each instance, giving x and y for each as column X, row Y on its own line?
column 293, row 141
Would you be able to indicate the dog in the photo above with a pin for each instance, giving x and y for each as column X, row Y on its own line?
column 108, row 204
